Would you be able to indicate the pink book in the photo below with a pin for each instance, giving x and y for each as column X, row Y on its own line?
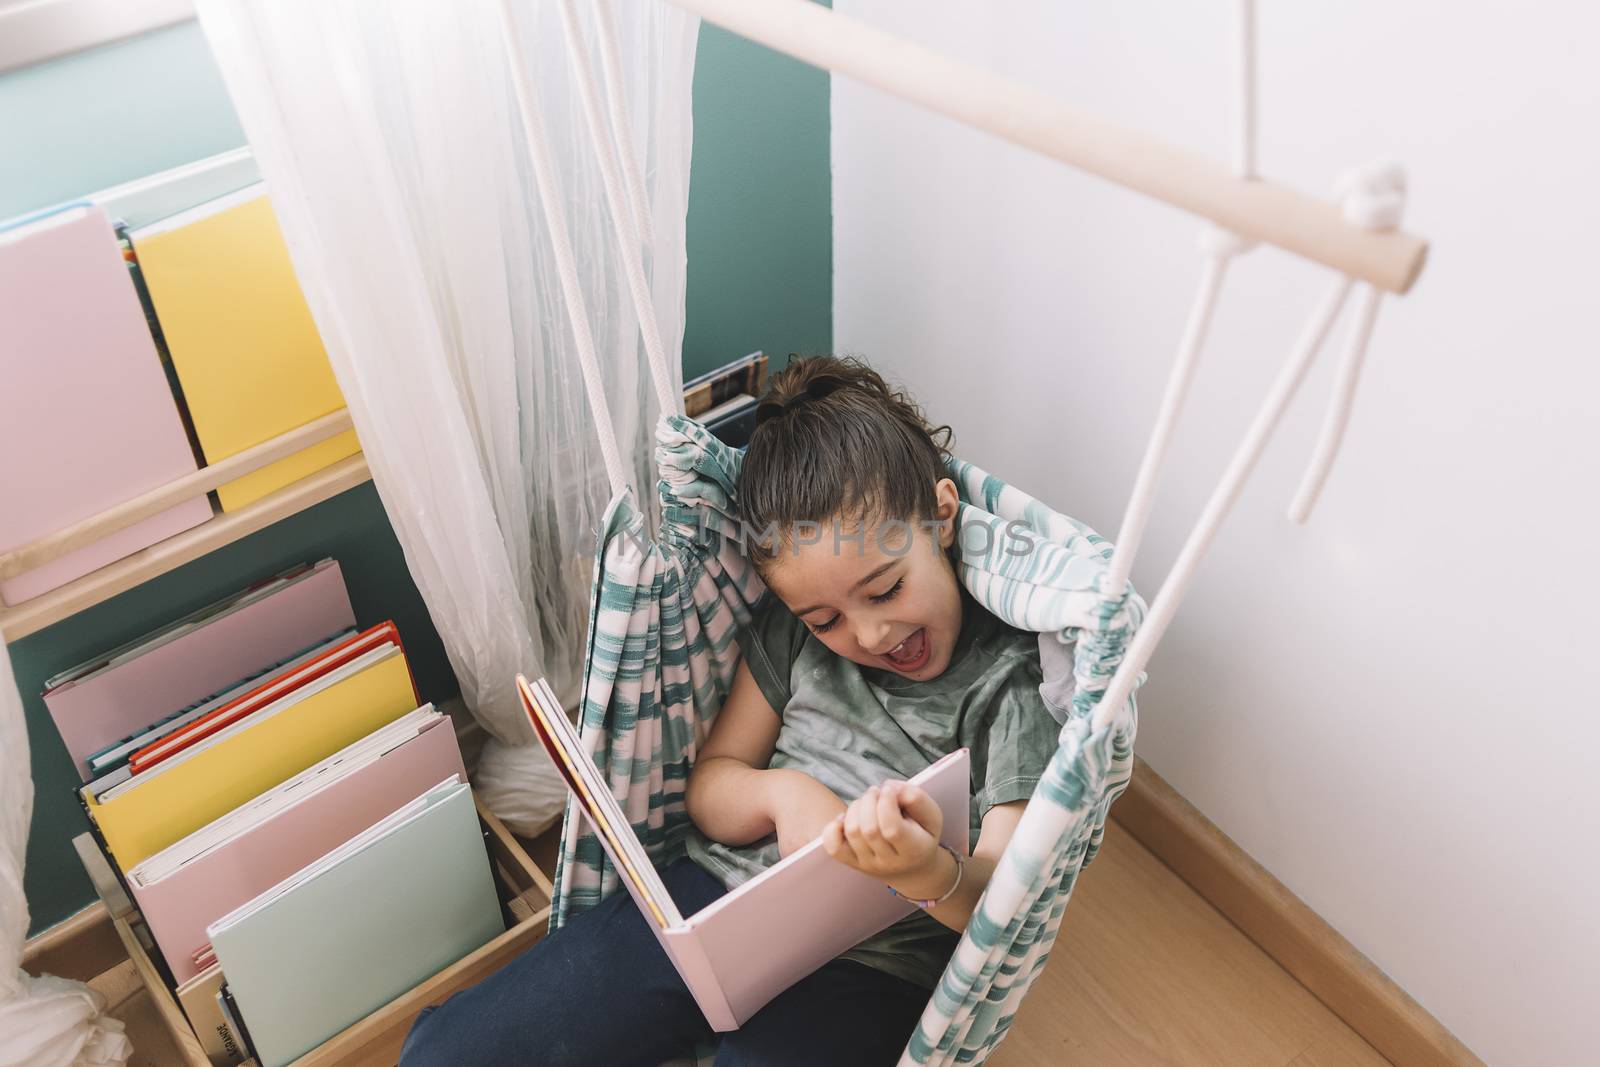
column 803, row 911
column 111, row 699
column 193, row 883
column 87, row 419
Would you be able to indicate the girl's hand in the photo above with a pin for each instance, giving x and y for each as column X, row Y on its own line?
column 801, row 807
column 891, row 833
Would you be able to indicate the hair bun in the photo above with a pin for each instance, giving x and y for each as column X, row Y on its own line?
column 818, row 388
column 815, row 389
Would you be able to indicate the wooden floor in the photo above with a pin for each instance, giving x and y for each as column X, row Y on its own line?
column 126, row 999
column 1145, row 974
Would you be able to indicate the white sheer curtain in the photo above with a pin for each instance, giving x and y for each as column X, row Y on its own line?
column 44, row 1022
column 389, row 139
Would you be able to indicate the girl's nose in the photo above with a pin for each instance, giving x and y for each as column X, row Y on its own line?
column 871, row 636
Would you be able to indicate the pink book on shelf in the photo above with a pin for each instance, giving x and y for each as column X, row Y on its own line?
column 119, row 694
column 802, row 912
column 213, row 871
column 87, row 418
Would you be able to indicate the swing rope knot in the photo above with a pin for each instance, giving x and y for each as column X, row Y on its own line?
column 1374, row 196
column 1219, row 243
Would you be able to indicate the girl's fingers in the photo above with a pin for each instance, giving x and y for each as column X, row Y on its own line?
column 833, row 841
column 852, row 833
column 921, row 809
column 891, row 826
column 861, row 827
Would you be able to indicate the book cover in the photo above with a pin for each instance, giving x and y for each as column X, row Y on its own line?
column 241, row 337
column 183, row 889
column 178, row 797
column 804, row 910
column 372, row 919
column 123, row 692
column 87, row 420
column 198, row 997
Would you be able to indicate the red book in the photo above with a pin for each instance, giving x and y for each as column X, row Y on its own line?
column 274, row 688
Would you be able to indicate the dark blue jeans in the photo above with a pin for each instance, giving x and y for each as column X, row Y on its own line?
column 600, row 992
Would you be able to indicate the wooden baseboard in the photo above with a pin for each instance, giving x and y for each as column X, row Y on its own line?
column 79, row 948
column 1286, row 929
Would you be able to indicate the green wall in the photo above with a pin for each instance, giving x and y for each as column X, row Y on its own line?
column 760, row 277
column 110, row 115
column 760, row 231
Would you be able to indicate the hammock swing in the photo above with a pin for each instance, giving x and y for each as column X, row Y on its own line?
column 662, row 636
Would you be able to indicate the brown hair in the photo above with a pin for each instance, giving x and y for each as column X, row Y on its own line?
column 833, row 441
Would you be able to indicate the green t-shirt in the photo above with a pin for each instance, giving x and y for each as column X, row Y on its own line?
column 850, row 727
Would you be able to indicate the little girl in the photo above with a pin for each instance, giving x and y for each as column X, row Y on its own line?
column 868, row 663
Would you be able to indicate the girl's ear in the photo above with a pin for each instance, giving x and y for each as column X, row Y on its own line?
column 945, row 504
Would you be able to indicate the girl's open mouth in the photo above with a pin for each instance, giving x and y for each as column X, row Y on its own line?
column 912, row 653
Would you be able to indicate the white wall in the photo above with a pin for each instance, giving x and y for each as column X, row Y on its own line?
column 1394, row 709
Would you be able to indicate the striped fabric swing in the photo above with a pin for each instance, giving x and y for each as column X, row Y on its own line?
column 663, row 630
column 663, row 650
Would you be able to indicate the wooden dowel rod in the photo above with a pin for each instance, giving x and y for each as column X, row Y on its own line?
column 48, row 608
column 1256, row 209
column 104, row 524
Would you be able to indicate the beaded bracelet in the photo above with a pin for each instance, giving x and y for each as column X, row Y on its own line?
column 961, row 866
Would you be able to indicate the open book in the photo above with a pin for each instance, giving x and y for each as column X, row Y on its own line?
column 745, row 948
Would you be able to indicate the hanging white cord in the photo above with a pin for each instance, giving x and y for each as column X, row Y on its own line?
column 1221, row 502
column 1220, row 247
column 1374, row 198
column 555, row 217
column 1338, row 416
column 611, row 74
column 1142, row 500
column 627, row 235
column 1244, row 63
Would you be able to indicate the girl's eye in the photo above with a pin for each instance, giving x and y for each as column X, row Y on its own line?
column 889, row 593
column 822, row 628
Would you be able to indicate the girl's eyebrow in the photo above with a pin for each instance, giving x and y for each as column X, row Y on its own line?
column 877, row 572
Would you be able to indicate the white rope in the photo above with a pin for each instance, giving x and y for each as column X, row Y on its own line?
column 555, row 217
column 1375, row 199
column 1244, row 64
column 1220, row 504
column 1374, row 196
column 1142, row 500
column 1337, row 419
column 611, row 74
column 622, row 214
column 1219, row 246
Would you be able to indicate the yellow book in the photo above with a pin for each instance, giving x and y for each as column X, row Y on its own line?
column 172, row 800
column 242, row 340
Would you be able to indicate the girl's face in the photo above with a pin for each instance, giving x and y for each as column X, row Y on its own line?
column 884, row 596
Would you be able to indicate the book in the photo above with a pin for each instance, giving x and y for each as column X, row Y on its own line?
column 199, row 1001
column 195, row 881
column 746, row 376
column 328, row 659
column 178, row 734
column 140, row 817
column 370, row 919
column 803, row 911
column 87, row 420
column 114, row 761
column 229, row 1011
column 733, row 421
column 247, row 353
column 116, row 696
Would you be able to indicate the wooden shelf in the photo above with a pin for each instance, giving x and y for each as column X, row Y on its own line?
column 34, row 615
column 98, row 940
